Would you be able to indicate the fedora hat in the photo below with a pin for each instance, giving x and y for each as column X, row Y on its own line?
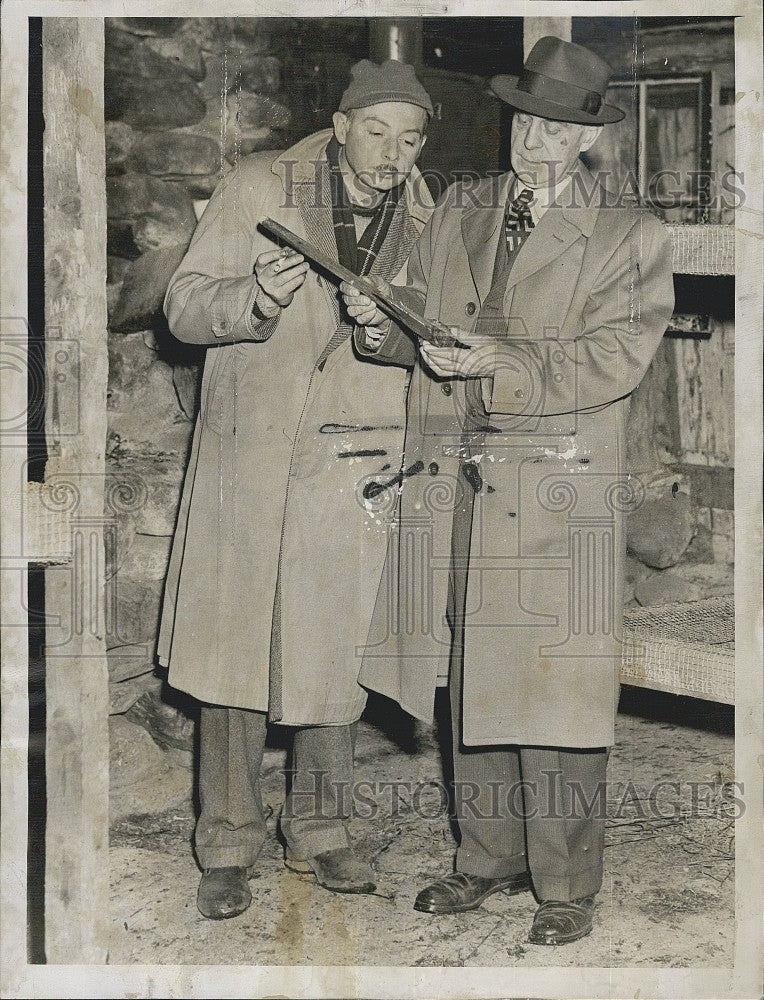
column 561, row 81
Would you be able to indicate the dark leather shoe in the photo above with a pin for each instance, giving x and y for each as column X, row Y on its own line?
column 559, row 922
column 223, row 892
column 339, row 870
column 459, row 892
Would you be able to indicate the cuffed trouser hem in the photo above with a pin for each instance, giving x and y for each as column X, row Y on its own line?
column 585, row 883
column 227, row 857
column 472, row 863
column 307, row 844
column 318, row 806
column 231, row 830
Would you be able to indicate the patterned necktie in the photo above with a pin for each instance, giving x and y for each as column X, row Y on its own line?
column 518, row 221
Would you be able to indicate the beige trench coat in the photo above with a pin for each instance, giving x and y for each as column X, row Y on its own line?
column 589, row 298
column 281, row 452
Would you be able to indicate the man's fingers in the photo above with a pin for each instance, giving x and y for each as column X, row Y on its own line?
column 359, row 302
column 288, row 263
column 276, row 261
column 440, row 359
column 369, row 318
column 351, row 292
column 353, row 297
column 288, row 273
column 360, row 307
column 271, row 257
column 356, row 310
column 268, row 257
column 275, row 284
column 289, row 283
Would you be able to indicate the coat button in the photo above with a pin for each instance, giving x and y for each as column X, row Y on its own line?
column 470, row 308
column 446, row 389
column 434, row 468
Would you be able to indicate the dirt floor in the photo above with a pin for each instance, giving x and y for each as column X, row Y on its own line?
column 667, row 899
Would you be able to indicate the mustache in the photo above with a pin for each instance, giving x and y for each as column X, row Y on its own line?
column 373, row 174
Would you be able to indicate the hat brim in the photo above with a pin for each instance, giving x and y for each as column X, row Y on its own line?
column 505, row 87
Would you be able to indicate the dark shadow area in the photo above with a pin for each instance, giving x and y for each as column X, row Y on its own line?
column 36, row 456
column 390, row 719
column 446, row 748
column 677, row 710
column 702, row 294
column 36, row 449
column 172, row 351
column 36, row 816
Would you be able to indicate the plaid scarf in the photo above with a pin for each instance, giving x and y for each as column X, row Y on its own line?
column 385, row 245
column 357, row 255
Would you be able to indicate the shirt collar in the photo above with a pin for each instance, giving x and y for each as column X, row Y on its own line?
column 543, row 198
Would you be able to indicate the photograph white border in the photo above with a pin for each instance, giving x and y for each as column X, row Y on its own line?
column 744, row 980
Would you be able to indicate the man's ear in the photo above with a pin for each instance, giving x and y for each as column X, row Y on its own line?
column 590, row 135
column 341, row 124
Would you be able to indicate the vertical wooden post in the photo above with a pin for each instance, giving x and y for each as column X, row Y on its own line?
column 14, row 636
column 396, row 38
column 536, row 27
column 76, row 880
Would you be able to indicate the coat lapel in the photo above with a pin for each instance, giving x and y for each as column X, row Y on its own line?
column 481, row 228
column 551, row 238
column 559, row 227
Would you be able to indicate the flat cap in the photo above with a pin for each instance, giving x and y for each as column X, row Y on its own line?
column 371, row 83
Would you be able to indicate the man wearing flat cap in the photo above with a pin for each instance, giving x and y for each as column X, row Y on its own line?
column 516, row 448
column 276, row 558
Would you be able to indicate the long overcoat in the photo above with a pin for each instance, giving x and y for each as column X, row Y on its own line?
column 588, row 300
column 277, row 553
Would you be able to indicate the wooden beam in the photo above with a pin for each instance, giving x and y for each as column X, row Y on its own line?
column 77, row 693
column 14, row 635
column 396, row 38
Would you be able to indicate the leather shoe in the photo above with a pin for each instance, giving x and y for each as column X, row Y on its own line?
column 558, row 922
column 223, row 892
column 339, row 870
column 459, row 892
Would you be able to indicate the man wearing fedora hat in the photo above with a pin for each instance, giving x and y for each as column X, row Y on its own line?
column 514, row 459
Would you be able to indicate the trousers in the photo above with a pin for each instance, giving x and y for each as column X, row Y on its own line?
column 535, row 808
column 231, row 827
column 540, row 809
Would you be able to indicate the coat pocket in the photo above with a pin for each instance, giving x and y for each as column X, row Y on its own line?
column 218, row 399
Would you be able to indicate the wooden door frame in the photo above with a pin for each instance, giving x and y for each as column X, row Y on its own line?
column 58, row 524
